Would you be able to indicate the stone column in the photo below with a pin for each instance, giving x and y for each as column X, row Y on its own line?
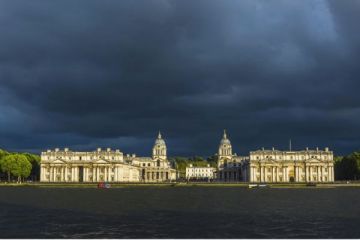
column 66, row 173
column 74, row 173
column 85, row 174
column 252, row 175
column 274, row 173
column 97, row 173
column 52, row 173
column 297, row 173
column 63, row 174
column 331, row 174
column 76, row 179
column 306, row 173
column 119, row 173
column 116, row 174
column 41, row 173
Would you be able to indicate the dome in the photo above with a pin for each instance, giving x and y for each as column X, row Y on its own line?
column 159, row 140
column 225, row 140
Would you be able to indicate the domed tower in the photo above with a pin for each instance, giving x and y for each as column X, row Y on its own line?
column 159, row 149
column 225, row 151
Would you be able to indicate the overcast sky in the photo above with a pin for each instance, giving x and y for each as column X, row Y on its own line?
column 85, row 74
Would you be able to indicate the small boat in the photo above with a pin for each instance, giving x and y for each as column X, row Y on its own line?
column 104, row 185
column 258, row 186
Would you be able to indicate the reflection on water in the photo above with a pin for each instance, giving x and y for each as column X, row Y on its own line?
column 179, row 212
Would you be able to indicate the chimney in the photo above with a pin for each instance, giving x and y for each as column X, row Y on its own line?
column 66, row 149
column 326, row 149
column 108, row 149
column 99, row 149
column 56, row 149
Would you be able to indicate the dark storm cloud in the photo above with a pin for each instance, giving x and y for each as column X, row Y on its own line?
column 88, row 73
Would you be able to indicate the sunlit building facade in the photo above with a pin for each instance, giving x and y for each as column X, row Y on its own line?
column 106, row 165
column 193, row 172
column 274, row 166
column 291, row 166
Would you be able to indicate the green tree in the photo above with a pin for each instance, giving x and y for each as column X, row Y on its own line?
column 348, row 167
column 7, row 164
column 21, row 166
column 212, row 160
column 3, row 153
column 35, row 164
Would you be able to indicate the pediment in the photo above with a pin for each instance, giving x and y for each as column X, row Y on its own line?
column 313, row 161
column 101, row 161
column 59, row 161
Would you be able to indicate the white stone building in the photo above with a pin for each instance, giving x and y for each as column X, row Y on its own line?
column 106, row 165
column 274, row 166
column 97, row 166
column 156, row 168
column 230, row 166
column 291, row 166
column 200, row 172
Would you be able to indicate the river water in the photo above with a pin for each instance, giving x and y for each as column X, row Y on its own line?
column 179, row 212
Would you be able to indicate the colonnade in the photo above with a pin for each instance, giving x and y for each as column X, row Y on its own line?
column 153, row 176
column 86, row 173
column 230, row 175
column 288, row 173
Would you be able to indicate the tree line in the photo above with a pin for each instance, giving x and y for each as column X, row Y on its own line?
column 347, row 167
column 19, row 166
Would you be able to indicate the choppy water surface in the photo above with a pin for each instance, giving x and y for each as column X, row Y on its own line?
column 179, row 212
